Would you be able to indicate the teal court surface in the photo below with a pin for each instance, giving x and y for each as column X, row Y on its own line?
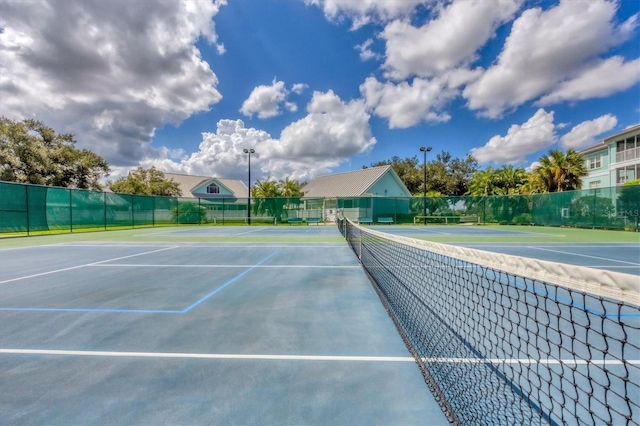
column 103, row 329
column 260, row 325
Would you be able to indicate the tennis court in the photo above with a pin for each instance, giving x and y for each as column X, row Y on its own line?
column 281, row 325
column 133, row 332
column 619, row 252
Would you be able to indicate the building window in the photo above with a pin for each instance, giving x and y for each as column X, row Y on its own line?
column 213, row 189
column 594, row 184
column 628, row 149
column 626, row 174
column 594, row 162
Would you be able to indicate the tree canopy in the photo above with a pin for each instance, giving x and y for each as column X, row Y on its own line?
column 32, row 152
column 503, row 181
column 145, row 182
column 559, row 171
column 270, row 188
column 445, row 175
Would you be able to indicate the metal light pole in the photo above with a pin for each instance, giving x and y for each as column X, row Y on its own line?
column 424, row 194
column 249, row 152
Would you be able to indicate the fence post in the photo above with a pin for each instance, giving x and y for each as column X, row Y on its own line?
column 104, row 205
column 70, row 211
column 26, row 194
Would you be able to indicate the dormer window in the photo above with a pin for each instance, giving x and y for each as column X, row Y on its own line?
column 213, row 189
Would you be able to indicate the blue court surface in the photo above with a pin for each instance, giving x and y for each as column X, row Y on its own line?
column 617, row 257
column 250, row 231
column 264, row 326
column 201, row 333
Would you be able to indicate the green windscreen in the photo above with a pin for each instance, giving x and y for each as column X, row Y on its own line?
column 32, row 208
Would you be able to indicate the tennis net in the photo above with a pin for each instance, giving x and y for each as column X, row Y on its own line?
column 507, row 340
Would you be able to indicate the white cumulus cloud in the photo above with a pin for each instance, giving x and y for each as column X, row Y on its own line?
column 449, row 40
column 111, row 72
column 584, row 134
column 405, row 105
column 362, row 12
column 332, row 132
column 266, row 100
column 598, row 81
column 366, row 54
column 545, row 48
column 535, row 134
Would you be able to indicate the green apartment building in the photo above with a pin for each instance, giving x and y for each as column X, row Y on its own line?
column 614, row 161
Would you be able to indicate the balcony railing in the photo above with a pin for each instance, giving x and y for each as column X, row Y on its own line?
column 629, row 154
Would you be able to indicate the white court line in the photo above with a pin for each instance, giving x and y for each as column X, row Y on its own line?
column 86, row 264
column 216, row 245
column 208, row 356
column 249, row 232
column 584, row 255
column 312, row 357
column 226, row 266
column 431, row 231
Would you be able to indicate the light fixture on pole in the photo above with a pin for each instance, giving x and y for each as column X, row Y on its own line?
column 424, row 194
column 249, row 152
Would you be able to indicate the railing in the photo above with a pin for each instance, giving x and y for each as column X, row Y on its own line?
column 629, row 154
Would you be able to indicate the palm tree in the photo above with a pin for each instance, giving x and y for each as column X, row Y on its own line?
column 482, row 182
column 509, row 180
column 561, row 172
column 266, row 189
column 290, row 188
column 265, row 195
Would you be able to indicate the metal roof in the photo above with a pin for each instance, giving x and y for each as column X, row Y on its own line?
column 348, row 184
column 604, row 143
column 188, row 183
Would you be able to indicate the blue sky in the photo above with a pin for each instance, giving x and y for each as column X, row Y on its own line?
column 321, row 86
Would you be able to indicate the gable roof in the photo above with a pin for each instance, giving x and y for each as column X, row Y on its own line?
column 188, row 183
column 349, row 184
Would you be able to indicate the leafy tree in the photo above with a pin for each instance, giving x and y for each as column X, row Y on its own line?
column 146, row 182
column 483, row 182
column 560, row 172
column 450, row 176
column 506, row 180
column 509, row 180
column 31, row 152
column 445, row 175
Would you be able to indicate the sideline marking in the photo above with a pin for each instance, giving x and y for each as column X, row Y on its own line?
column 249, row 232
column 314, row 357
column 207, row 356
column 86, row 264
column 145, row 311
column 125, row 265
column 583, row 255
